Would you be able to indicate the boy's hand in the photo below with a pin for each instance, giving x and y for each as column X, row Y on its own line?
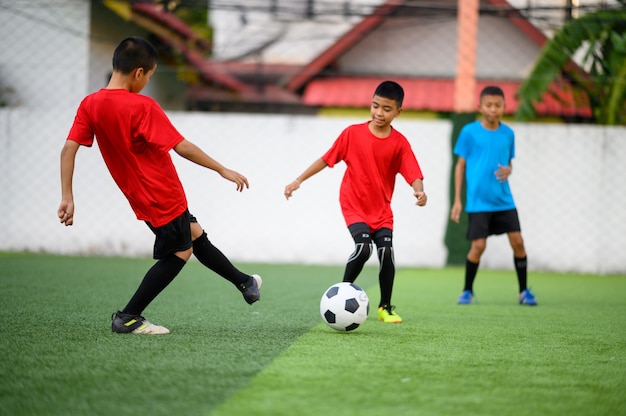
column 455, row 212
column 66, row 212
column 236, row 177
column 290, row 188
column 503, row 172
column 421, row 198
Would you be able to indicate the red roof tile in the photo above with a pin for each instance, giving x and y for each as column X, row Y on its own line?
column 434, row 94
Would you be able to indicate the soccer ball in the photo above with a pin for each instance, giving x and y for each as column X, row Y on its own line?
column 344, row 306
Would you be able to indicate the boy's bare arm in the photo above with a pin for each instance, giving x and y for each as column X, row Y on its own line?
column 317, row 166
column 418, row 192
column 459, row 177
column 196, row 155
column 66, row 207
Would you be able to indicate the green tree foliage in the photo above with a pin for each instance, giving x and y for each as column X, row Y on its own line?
column 601, row 36
column 192, row 12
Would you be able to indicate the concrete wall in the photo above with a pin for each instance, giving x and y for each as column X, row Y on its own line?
column 44, row 54
column 567, row 180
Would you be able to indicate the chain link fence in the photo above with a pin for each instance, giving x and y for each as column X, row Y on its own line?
column 567, row 177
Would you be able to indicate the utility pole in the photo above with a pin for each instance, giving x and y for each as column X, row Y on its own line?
column 467, row 34
column 310, row 9
column 464, row 111
column 569, row 7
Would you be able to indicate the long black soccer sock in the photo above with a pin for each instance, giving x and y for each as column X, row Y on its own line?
column 521, row 265
column 386, row 275
column 362, row 252
column 471, row 269
column 211, row 257
column 156, row 279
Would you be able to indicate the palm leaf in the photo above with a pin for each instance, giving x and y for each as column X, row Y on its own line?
column 602, row 34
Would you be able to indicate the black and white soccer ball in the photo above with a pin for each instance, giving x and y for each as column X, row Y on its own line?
column 344, row 306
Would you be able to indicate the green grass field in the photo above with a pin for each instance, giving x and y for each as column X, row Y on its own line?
column 565, row 357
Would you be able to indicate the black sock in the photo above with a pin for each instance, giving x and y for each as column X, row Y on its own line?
column 362, row 252
column 470, row 274
column 211, row 257
column 156, row 279
column 386, row 274
column 356, row 262
column 521, row 264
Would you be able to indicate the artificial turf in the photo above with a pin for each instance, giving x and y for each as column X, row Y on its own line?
column 276, row 357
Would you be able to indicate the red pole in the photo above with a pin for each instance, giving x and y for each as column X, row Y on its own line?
column 465, row 81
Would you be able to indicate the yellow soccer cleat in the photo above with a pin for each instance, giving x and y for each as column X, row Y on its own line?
column 388, row 315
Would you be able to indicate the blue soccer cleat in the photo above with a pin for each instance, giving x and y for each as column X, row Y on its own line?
column 527, row 298
column 466, row 297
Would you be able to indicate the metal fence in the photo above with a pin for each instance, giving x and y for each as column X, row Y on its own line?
column 54, row 52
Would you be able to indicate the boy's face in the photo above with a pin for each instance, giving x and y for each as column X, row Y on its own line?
column 491, row 107
column 383, row 111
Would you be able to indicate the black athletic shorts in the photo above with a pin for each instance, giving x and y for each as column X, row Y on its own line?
column 174, row 236
column 484, row 224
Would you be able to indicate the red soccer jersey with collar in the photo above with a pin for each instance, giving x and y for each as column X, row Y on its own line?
column 370, row 177
column 135, row 137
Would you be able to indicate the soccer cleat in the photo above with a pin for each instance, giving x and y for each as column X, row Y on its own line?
column 388, row 315
column 466, row 297
column 123, row 323
column 527, row 298
column 250, row 289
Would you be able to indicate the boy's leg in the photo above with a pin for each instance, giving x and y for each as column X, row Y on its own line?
column 172, row 249
column 172, row 246
column 471, row 269
column 519, row 259
column 362, row 251
column 156, row 279
column 386, row 275
column 473, row 260
column 477, row 232
column 526, row 297
column 521, row 268
column 508, row 221
column 212, row 258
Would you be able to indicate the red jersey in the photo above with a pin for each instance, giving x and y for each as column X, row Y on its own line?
column 135, row 137
column 372, row 166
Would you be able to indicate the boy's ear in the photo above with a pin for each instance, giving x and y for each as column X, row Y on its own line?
column 138, row 73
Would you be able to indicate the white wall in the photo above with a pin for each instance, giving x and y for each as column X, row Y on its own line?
column 567, row 180
column 426, row 46
column 43, row 53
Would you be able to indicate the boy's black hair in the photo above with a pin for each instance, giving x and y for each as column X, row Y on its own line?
column 133, row 53
column 391, row 90
column 492, row 90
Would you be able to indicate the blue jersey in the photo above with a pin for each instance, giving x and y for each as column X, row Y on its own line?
column 483, row 150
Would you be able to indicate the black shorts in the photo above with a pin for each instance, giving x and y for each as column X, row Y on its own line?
column 174, row 236
column 484, row 224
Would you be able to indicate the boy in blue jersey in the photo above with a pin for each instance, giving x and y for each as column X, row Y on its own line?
column 485, row 149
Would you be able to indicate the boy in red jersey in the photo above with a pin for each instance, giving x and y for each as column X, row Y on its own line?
column 374, row 153
column 135, row 137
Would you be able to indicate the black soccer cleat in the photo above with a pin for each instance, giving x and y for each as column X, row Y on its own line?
column 250, row 289
column 123, row 323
